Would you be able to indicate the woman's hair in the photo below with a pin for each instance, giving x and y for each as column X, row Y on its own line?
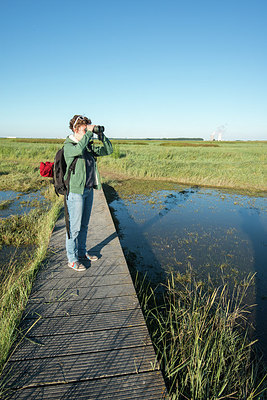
column 78, row 120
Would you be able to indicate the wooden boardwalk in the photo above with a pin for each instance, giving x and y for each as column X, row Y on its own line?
column 84, row 332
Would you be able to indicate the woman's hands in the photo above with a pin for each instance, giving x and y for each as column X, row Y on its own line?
column 81, row 131
column 90, row 127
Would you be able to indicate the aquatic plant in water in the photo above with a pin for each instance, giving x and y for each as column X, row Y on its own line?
column 201, row 335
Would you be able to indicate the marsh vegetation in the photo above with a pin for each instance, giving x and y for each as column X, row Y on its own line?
column 238, row 165
column 201, row 337
column 189, row 319
column 27, row 217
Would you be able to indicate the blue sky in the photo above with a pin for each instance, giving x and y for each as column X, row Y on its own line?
column 141, row 68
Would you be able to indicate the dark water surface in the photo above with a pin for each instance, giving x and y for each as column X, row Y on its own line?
column 17, row 203
column 213, row 231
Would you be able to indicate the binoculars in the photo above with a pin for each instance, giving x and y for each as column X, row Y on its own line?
column 98, row 129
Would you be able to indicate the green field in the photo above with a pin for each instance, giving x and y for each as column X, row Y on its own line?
column 235, row 165
column 238, row 165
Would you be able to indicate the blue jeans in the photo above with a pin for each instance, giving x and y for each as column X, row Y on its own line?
column 79, row 207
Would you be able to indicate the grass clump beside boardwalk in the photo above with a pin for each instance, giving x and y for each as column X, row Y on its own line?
column 20, row 230
column 201, row 338
column 17, row 275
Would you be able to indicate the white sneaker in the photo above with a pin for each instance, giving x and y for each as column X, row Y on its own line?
column 77, row 266
column 87, row 256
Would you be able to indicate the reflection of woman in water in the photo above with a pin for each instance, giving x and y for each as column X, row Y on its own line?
column 82, row 181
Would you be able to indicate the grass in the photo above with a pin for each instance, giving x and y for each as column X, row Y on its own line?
column 235, row 165
column 20, row 163
column 36, row 140
column 201, row 336
column 20, row 230
column 5, row 204
column 28, row 234
column 188, row 144
column 17, row 274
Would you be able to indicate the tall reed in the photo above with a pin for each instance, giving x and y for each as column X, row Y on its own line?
column 202, row 341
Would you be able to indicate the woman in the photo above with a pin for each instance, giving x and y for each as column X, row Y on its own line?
column 82, row 181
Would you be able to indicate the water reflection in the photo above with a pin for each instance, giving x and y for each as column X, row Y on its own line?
column 213, row 231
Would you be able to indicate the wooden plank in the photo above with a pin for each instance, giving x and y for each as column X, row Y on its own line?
column 85, row 366
column 82, row 323
column 104, row 264
column 99, row 268
column 60, row 264
column 79, row 280
column 83, row 293
column 77, row 343
column 100, row 249
column 80, row 307
column 143, row 386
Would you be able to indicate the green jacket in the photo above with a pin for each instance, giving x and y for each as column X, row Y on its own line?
column 77, row 180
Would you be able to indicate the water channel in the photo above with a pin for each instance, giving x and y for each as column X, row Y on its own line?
column 18, row 203
column 214, row 232
column 173, row 228
column 12, row 204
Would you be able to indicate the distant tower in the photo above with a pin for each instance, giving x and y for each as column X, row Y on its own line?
column 217, row 134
